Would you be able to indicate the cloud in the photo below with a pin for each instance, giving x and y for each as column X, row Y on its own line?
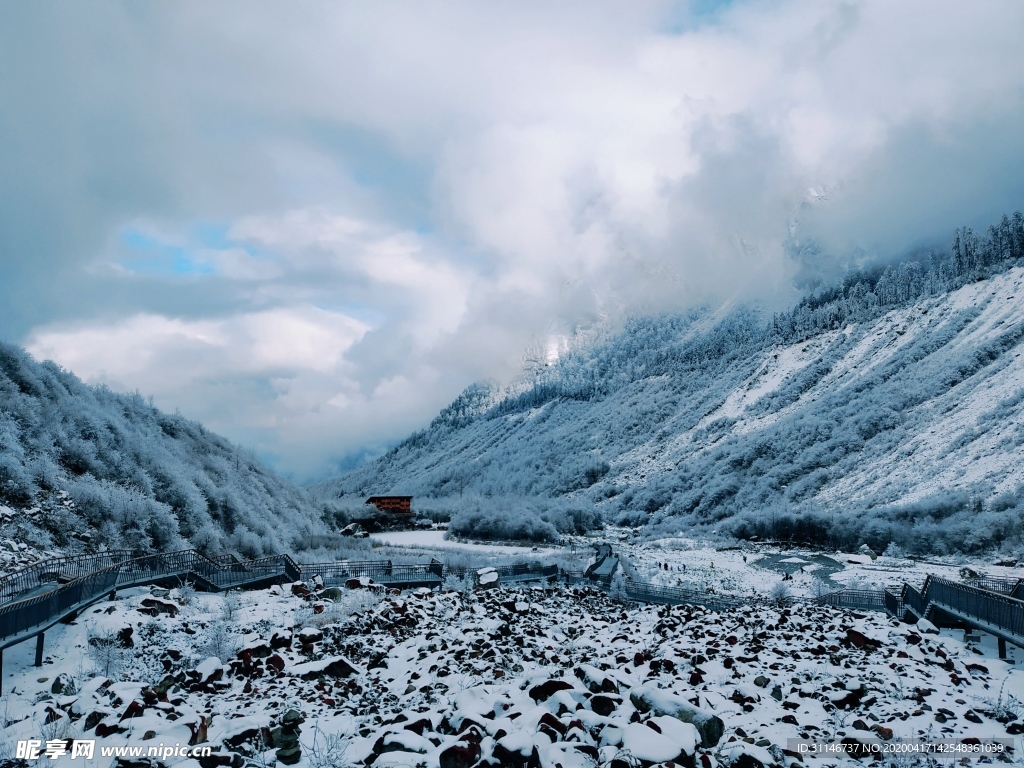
column 312, row 226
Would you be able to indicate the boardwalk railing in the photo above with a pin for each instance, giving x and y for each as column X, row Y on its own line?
column 864, row 599
column 893, row 602
column 58, row 569
column 1000, row 584
column 1000, row 614
column 653, row 593
column 33, row 599
column 996, row 610
column 84, row 580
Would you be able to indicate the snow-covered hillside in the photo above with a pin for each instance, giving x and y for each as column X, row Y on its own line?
column 82, row 466
column 888, row 409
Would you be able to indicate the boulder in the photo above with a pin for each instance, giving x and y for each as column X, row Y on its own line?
column 95, row 718
column 331, row 593
column 595, row 680
column 604, row 705
column 925, row 627
column 487, row 578
column 332, row 666
column 209, row 671
column 860, row 640
column 63, row 685
column 648, row 698
column 402, row 741
column 653, row 745
column 152, row 606
column 547, row 689
column 516, row 751
column 310, row 635
column 281, row 640
column 743, row 755
column 135, row 709
column 461, row 755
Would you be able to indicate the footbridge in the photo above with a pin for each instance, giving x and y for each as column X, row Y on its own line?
column 34, row 599
column 984, row 604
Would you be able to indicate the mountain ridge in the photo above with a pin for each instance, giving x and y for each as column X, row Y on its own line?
column 82, row 465
column 804, row 423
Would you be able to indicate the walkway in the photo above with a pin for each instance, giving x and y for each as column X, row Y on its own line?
column 34, row 599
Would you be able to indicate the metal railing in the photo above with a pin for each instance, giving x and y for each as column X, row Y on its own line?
column 995, row 611
column 1000, row 584
column 22, row 618
column 865, row 599
column 75, row 582
column 653, row 593
column 380, row 571
column 893, row 603
column 55, row 570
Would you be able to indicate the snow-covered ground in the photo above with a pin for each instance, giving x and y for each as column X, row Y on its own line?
column 533, row 676
column 437, row 540
column 758, row 568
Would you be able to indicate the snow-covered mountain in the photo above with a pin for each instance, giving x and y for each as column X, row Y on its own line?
column 84, row 466
column 887, row 408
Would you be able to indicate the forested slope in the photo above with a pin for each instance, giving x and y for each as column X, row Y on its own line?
column 80, row 462
column 888, row 408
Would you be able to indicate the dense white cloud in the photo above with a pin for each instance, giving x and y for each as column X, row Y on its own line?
column 339, row 215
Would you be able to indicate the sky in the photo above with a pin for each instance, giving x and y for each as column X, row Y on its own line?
column 309, row 226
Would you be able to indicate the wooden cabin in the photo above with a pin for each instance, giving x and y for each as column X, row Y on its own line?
column 398, row 505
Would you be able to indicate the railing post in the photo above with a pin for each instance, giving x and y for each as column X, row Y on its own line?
column 1002, row 648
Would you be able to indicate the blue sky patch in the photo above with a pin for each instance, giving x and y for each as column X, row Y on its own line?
column 149, row 255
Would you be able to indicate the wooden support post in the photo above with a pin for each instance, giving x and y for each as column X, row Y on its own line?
column 1002, row 648
column 1, row 671
column 39, row 648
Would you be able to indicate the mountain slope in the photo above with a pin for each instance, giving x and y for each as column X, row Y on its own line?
column 887, row 409
column 81, row 463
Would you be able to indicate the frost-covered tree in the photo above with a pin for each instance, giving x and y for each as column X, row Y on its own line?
column 135, row 476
